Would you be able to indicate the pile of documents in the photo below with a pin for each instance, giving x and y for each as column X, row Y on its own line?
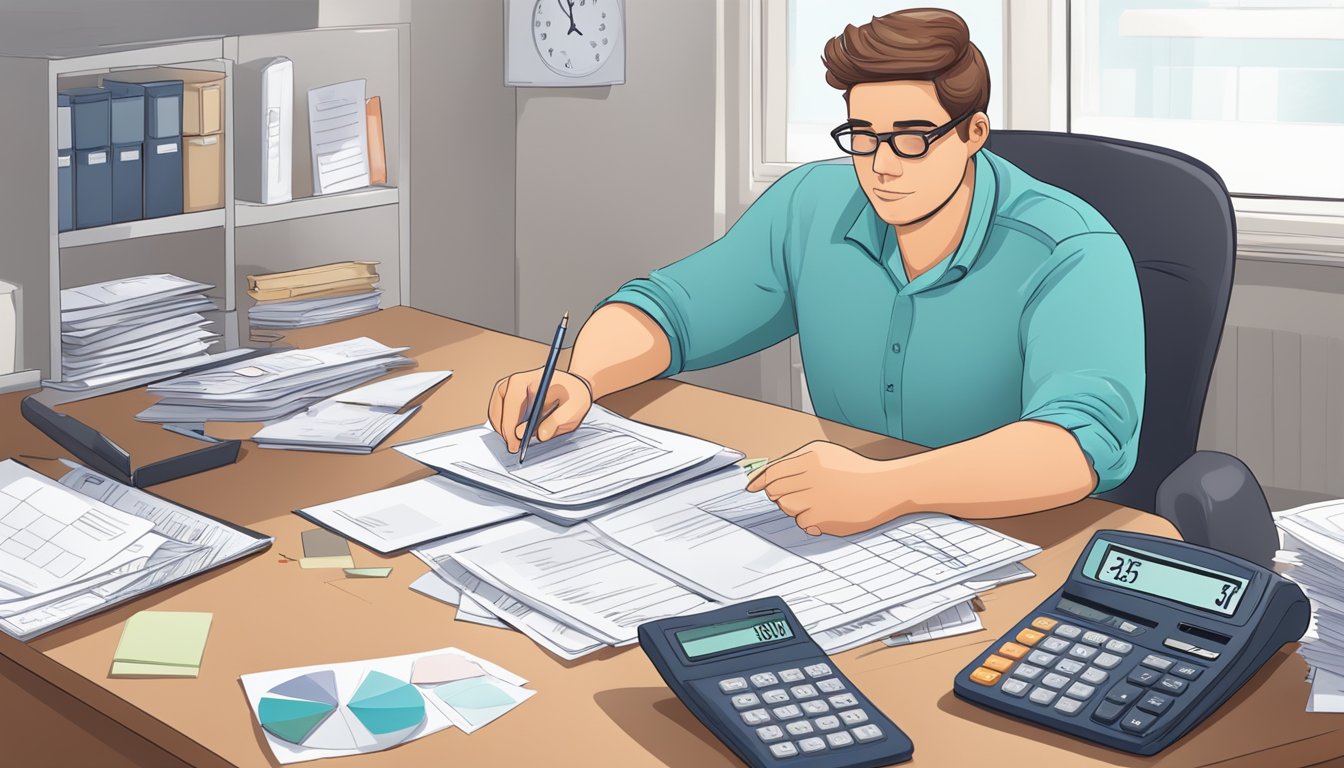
column 619, row 523
column 131, row 331
column 272, row 386
column 73, row 548
column 1313, row 556
column 314, row 295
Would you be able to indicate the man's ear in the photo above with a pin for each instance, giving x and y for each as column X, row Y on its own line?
column 977, row 131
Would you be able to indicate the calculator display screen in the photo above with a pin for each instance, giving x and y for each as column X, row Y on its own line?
column 732, row 635
column 1131, row 568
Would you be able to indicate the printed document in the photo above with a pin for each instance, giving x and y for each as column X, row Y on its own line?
column 338, row 137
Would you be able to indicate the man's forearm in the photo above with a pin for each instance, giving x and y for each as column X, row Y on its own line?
column 619, row 347
column 1023, row 467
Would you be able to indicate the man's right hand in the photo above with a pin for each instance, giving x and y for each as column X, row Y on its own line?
column 567, row 402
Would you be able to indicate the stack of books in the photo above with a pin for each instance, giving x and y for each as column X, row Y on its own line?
column 314, row 295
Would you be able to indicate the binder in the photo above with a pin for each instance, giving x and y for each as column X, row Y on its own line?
column 93, row 187
column 161, row 156
column 90, row 117
column 263, row 130
column 202, row 173
column 373, row 113
column 65, row 170
column 128, row 137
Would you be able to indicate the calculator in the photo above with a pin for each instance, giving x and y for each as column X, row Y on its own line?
column 757, row 681
column 1146, row 638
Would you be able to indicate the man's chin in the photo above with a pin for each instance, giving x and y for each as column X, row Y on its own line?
column 899, row 214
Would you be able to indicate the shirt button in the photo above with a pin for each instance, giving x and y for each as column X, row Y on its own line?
column 896, row 348
column 891, row 387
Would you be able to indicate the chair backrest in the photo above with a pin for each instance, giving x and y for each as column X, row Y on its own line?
column 1176, row 217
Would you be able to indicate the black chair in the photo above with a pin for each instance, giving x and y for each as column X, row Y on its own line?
column 1176, row 217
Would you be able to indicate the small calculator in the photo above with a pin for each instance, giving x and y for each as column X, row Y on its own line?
column 757, row 681
column 1146, row 638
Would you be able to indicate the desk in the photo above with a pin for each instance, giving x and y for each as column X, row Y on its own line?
column 270, row 615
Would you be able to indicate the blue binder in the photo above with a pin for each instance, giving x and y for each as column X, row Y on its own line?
column 65, row 170
column 90, row 117
column 128, row 144
column 91, row 136
column 161, row 156
column 93, row 187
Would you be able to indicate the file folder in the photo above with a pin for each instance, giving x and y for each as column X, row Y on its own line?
column 65, row 170
column 90, row 117
column 161, row 155
column 202, row 173
column 128, row 137
column 263, row 130
column 163, row 177
column 373, row 112
column 93, row 187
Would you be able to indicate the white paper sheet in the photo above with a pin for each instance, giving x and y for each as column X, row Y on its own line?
column 338, row 137
column 276, row 369
column 960, row 619
column 88, row 301
column 394, row 393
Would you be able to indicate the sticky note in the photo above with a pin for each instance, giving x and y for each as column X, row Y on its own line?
column 368, row 573
column 162, row 644
column 319, row 542
column 344, row 561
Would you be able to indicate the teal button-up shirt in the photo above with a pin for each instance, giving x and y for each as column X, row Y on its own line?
column 1035, row 316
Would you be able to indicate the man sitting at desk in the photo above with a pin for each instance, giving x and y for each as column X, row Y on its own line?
column 940, row 295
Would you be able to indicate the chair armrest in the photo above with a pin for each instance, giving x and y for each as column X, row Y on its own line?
column 1214, row 500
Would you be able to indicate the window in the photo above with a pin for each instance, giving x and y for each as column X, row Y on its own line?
column 1251, row 88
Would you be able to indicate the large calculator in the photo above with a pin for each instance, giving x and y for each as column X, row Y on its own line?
column 1146, row 638
column 754, row 678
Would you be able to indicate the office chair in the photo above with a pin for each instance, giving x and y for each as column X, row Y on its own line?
column 1176, row 217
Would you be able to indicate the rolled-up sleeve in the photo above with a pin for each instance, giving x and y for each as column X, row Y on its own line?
column 1082, row 338
column 731, row 298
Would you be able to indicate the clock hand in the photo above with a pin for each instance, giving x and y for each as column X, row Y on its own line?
column 572, row 26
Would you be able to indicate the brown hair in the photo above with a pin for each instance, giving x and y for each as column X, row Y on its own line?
column 917, row 44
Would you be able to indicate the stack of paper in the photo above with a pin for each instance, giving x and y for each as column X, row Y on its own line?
column 301, row 313
column 272, row 386
column 313, row 295
column 1313, row 556
column 162, row 644
column 132, row 330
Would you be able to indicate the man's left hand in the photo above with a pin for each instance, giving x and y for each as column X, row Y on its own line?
column 830, row 489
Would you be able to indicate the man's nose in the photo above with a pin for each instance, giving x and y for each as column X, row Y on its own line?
column 886, row 162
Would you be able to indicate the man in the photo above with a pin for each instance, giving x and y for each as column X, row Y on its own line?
column 940, row 295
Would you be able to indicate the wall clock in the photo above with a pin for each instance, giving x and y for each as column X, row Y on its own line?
column 564, row 42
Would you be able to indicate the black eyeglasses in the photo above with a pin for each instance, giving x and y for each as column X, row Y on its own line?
column 907, row 144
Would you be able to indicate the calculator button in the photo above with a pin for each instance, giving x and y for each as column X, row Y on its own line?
column 770, row 733
column 1027, row 672
column 1029, row 637
column 1094, row 676
column 1082, row 652
column 830, row 686
column 763, row 679
column 867, row 732
column 1130, row 628
column 745, row 701
column 1053, row 680
column 815, row 707
column 1044, row 624
column 803, row 692
column 783, row 749
column 818, row 670
column 1094, row 638
column 1106, row 660
column 1137, row 721
column 799, row 728
column 777, row 696
column 791, row 675
column 1188, row 671
column 1179, row 645
column 812, row 745
column 1041, row 658
column 732, row 685
column 1068, row 706
column 1069, row 666
column 980, row 675
column 827, row 723
column 1205, row 653
column 756, row 717
column 854, row 717
column 1055, row 645
column 848, row 700
column 999, row 664
column 1124, row 693
column 1012, row 650
column 788, row 711
column 1156, row 703
column 1015, row 687
column 1108, row 712
column 1069, row 631
column 1080, row 691
column 839, row 739
column 1173, row 685
column 1160, row 663
column 1042, row 696
column 1141, row 676
column 1119, row 646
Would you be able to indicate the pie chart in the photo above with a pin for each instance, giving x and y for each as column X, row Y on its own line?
column 385, row 705
column 293, row 709
column 318, row 710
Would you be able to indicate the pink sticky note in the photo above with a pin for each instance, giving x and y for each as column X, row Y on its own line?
column 443, row 668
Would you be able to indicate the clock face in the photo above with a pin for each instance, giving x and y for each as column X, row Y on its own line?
column 576, row 37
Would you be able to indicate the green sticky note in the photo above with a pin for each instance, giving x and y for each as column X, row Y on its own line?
column 136, row 669
column 171, row 640
column 368, row 573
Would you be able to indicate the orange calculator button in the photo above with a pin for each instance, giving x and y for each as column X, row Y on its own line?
column 1029, row 637
column 1013, row 650
column 986, row 676
column 1043, row 624
column 999, row 664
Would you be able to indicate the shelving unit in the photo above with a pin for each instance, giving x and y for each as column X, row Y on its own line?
column 219, row 246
